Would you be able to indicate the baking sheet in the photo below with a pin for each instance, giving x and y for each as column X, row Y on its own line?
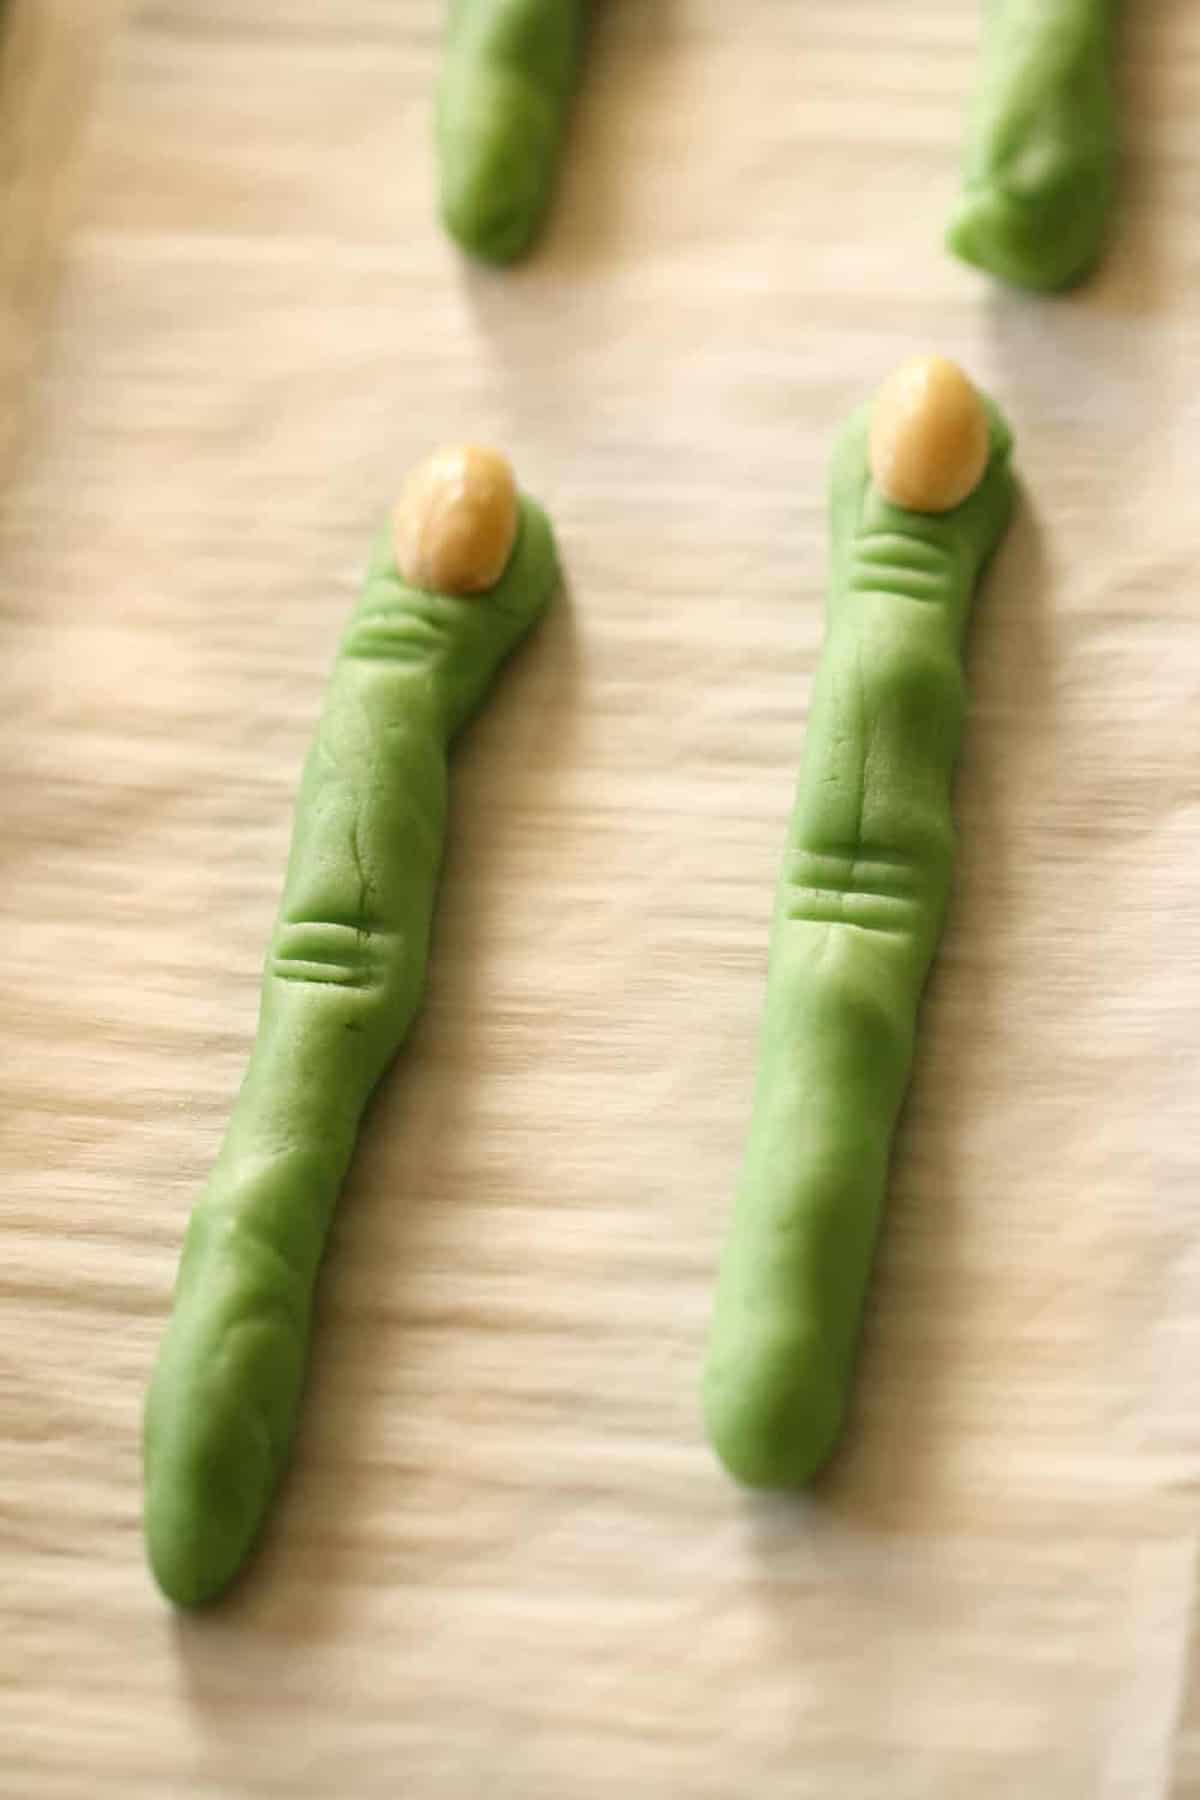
column 504, row 1562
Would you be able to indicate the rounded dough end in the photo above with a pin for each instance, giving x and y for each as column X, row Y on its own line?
column 928, row 444
column 455, row 522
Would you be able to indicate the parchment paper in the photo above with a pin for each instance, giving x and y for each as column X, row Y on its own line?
column 505, row 1563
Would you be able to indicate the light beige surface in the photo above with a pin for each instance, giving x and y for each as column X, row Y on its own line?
column 505, row 1564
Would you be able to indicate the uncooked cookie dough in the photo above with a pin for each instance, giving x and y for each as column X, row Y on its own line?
column 921, row 495
column 1042, row 148
column 508, row 70
column 458, row 580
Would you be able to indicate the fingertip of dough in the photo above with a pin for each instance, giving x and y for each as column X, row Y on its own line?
column 455, row 522
column 195, row 1546
column 772, row 1421
column 209, row 1476
column 493, row 189
column 499, row 232
column 984, row 233
column 929, row 437
column 1006, row 237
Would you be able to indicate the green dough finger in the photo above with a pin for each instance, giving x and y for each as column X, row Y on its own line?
column 1040, row 162
column 343, row 979
column 858, row 914
column 507, row 73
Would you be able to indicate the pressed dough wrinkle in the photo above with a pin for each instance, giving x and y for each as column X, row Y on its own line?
column 508, row 71
column 343, row 978
column 1042, row 144
column 859, row 910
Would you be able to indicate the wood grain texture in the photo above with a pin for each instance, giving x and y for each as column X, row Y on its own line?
column 504, row 1562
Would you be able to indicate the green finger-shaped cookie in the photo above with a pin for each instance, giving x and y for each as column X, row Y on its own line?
column 859, row 910
column 507, row 74
column 343, row 978
column 1042, row 148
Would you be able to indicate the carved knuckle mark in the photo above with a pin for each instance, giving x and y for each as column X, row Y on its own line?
column 402, row 639
column 871, row 892
column 893, row 562
column 325, row 953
